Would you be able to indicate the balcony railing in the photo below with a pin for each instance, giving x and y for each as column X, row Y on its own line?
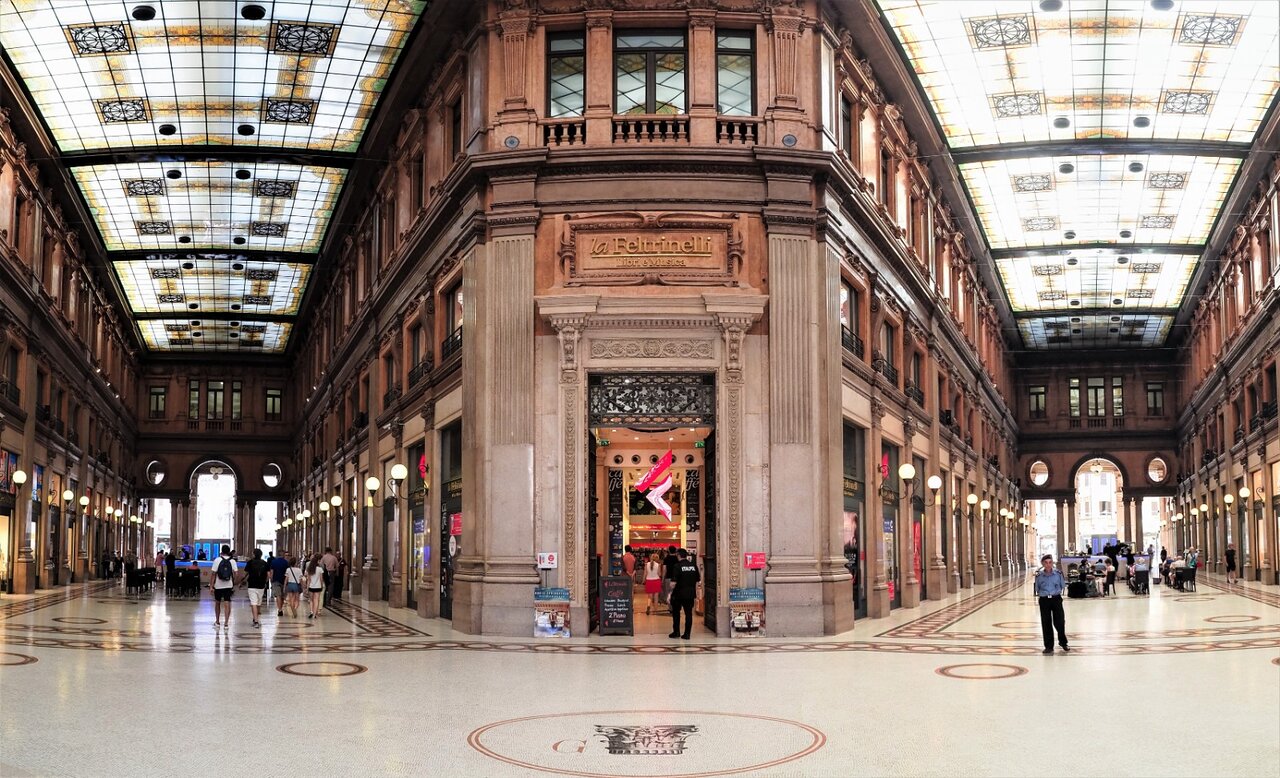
column 213, row 425
column 881, row 364
column 564, row 132
column 1239, row 436
column 852, row 342
column 1117, row 421
column 9, row 390
column 1074, row 423
column 419, row 371
column 393, row 394
column 1269, row 410
column 1036, row 413
column 742, row 131
column 1097, row 422
column 451, row 344
column 915, row 393
column 43, row 414
column 650, row 129
column 193, row 424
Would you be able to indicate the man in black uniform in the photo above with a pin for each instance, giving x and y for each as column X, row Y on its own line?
column 684, row 593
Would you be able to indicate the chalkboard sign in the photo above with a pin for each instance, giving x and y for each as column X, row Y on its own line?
column 615, row 605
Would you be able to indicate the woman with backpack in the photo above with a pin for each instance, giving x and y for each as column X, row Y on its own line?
column 316, row 586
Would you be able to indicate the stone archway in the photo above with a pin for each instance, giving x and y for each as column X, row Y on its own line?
column 1099, row 509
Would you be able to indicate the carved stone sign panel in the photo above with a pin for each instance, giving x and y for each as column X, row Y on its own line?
column 638, row 248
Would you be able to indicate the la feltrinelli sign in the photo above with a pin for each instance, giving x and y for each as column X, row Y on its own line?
column 637, row 248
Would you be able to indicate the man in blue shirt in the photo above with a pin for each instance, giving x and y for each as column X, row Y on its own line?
column 278, row 567
column 1050, row 586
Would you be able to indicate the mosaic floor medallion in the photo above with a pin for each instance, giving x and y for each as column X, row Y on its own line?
column 322, row 669
column 644, row 743
column 981, row 671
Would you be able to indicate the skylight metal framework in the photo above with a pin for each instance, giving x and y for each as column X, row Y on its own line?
column 208, row 128
column 1097, row 140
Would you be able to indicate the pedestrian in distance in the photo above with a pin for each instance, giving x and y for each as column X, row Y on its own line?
column 1049, row 587
column 315, row 586
column 1232, row 577
column 257, row 576
column 278, row 566
column 222, row 581
column 683, row 594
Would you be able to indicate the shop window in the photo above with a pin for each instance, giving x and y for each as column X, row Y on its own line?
column 1097, row 397
column 1036, row 396
column 735, row 73
column 274, row 402
column 1117, row 396
column 156, row 402
column 235, row 400
column 649, row 73
column 213, row 397
column 566, row 75
column 193, row 400
column 1155, row 398
column 1073, row 394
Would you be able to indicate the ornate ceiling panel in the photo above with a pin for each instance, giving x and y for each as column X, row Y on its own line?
column 217, row 88
column 307, row 75
column 1097, row 140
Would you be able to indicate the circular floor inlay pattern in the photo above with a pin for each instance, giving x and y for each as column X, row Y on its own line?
column 1230, row 619
column 1015, row 624
column 1194, row 598
column 644, row 743
column 964, row 672
column 7, row 658
column 78, row 620
column 322, row 669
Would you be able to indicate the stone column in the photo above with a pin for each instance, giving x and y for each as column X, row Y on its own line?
column 966, row 522
column 906, row 511
column 878, row 600
column 1267, row 540
column 805, row 586
column 1073, row 541
column 1249, row 549
column 1060, row 517
column 980, row 564
column 936, row 576
column 496, row 572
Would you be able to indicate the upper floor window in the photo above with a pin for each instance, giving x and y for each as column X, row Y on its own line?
column 1155, row 398
column 156, row 402
column 236, row 388
column 1073, row 394
column 886, row 343
column 917, row 370
column 274, row 405
column 455, row 129
column 453, row 309
column 193, row 400
column 649, row 72
column 1117, row 396
column 1036, row 396
column 848, row 307
column 566, row 74
column 11, row 358
column 886, row 178
column 1097, row 397
column 213, row 400
column 415, row 345
column 735, row 73
column 417, row 181
column 846, row 126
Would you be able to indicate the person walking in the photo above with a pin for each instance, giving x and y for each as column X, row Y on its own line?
column 257, row 575
column 315, row 586
column 278, row 566
column 330, row 563
column 652, row 582
column 1049, row 586
column 1231, row 564
column 683, row 594
column 293, row 586
column 629, row 563
column 222, row 580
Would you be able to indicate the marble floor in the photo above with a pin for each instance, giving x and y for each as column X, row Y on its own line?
column 94, row 682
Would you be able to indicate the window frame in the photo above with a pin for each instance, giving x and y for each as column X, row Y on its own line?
column 278, row 395
column 1037, row 392
column 1073, row 397
column 1117, row 396
column 193, row 399
column 650, row 103
column 237, row 401
column 1155, row 389
column 750, row 53
column 1096, row 402
column 211, row 394
column 566, row 35
column 157, row 410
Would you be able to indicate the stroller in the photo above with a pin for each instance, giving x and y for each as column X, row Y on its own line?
column 1140, row 582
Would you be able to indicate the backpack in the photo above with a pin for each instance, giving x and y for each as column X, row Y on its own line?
column 225, row 569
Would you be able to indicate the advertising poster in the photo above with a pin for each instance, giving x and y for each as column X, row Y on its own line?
column 550, row 612
column 746, row 612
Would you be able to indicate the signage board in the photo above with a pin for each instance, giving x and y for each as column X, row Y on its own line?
column 551, row 612
column 616, row 606
column 754, row 560
column 548, row 560
column 746, row 612
column 455, row 524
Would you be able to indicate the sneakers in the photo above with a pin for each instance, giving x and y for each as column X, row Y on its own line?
column 280, row 613
column 256, row 625
column 684, row 637
column 217, row 624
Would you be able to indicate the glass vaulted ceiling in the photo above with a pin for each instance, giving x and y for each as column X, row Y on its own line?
column 168, row 115
column 1098, row 141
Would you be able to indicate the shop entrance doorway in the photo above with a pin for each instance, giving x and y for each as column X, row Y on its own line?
column 635, row 420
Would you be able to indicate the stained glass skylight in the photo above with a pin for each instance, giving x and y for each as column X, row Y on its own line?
column 1096, row 278
column 306, row 75
column 1007, row 72
column 194, row 334
column 1097, row 198
column 212, row 283
column 158, row 205
column 1095, row 331
column 1039, row 101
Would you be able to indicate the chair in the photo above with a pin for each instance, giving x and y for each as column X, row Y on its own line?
column 1190, row 580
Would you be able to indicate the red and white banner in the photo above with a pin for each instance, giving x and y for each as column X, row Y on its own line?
column 655, row 472
column 655, row 497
